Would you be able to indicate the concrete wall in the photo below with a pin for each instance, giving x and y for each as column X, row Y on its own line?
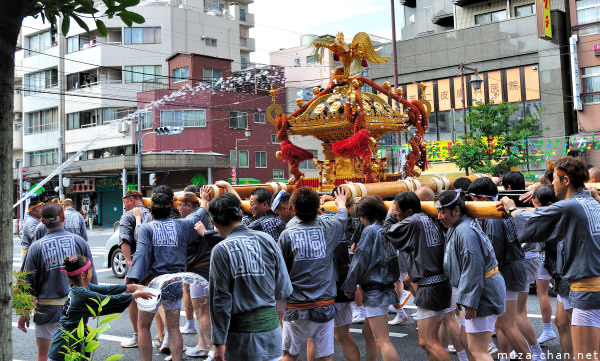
column 488, row 47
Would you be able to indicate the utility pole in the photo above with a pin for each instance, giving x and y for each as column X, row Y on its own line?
column 395, row 55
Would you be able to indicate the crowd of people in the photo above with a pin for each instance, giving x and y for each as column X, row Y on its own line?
column 292, row 273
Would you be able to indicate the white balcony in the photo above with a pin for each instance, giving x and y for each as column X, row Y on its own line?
column 247, row 44
column 247, row 20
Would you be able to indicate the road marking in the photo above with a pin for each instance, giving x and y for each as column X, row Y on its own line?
column 103, row 270
column 102, row 337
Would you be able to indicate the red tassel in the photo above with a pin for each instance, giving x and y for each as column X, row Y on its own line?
column 292, row 153
column 364, row 63
column 336, row 57
column 358, row 145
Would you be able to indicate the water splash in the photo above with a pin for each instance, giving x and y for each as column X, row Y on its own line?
column 276, row 78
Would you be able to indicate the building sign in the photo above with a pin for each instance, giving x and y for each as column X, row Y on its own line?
column 513, row 85
column 575, row 72
column 596, row 49
column 110, row 184
column 544, row 21
column 494, row 80
column 478, row 95
column 412, row 92
column 444, row 98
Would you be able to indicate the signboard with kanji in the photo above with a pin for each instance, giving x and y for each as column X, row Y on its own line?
column 544, row 19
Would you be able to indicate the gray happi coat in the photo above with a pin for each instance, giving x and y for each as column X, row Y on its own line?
column 575, row 221
column 29, row 226
column 469, row 254
column 74, row 223
column 162, row 246
column 374, row 267
column 247, row 272
column 44, row 259
column 127, row 227
column 307, row 250
column 422, row 239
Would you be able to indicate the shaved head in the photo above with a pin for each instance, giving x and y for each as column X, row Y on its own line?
column 425, row 194
column 594, row 175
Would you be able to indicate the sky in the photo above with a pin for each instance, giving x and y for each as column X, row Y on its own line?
column 281, row 23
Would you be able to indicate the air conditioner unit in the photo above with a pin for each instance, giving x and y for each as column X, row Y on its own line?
column 123, row 128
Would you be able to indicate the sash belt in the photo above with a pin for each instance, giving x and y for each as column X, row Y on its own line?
column 308, row 305
column 591, row 284
column 491, row 272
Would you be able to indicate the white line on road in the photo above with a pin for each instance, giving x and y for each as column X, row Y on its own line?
column 392, row 334
column 102, row 337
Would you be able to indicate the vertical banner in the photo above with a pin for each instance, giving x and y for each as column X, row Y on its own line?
column 444, row 98
column 575, row 72
column 494, row 87
column 458, row 95
column 532, row 82
column 412, row 92
column 428, row 94
column 513, row 85
column 477, row 95
column 544, row 21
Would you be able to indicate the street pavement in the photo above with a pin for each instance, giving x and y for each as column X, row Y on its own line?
column 404, row 337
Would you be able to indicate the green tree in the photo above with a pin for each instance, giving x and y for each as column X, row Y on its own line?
column 493, row 143
column 56, row 12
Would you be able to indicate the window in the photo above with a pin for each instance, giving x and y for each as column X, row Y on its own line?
column 309, row 164
column 211, row 42
column 143, row 73
column 274, row 139
column 149, row 35
column 490, row 17
column 590, row 78
column 243, row 159
column 588, row 12
column 212, row 77
column 278, row 174
column 244, row 62
column 525, row 10
column 183, row 118
column 79, row 42
column 259, row 118
column 40, row 80
column 81, row 80
column 312, row 59
column 181, row 74
column 297, row 62
column 147, row 120
column 42, row 121
column 110, row 114
column 35, row 44
column 238, row 120
column 41, row 157
column 242, row 14
column 260, row 159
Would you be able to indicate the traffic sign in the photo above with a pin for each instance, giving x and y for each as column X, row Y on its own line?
column 233, row 176
column 25, row 171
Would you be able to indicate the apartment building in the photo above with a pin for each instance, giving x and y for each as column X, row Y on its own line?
column 71, row 87
column 500, row 39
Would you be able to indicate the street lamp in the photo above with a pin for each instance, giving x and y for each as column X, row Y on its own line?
column 247, row 133
column 476, row 83
column 158, row 131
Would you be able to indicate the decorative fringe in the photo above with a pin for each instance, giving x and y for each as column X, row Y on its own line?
column 358, row 145
column 294, row 154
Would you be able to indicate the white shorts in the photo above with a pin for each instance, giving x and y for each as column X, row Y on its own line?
column 47, row 330
column 423, row 313
column 511, row 295
column 376, row 311
column 533, row 264
column 167, row 305
column 544, row 275
column 343, row 314
column 565, row 301
column 295, row 333
column 590, row 318
column 452, row 301
column 480, row 324
column 280, row 306
column 198, row 291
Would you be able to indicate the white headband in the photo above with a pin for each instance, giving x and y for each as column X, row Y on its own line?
column 458, row 191
column 277, row 200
